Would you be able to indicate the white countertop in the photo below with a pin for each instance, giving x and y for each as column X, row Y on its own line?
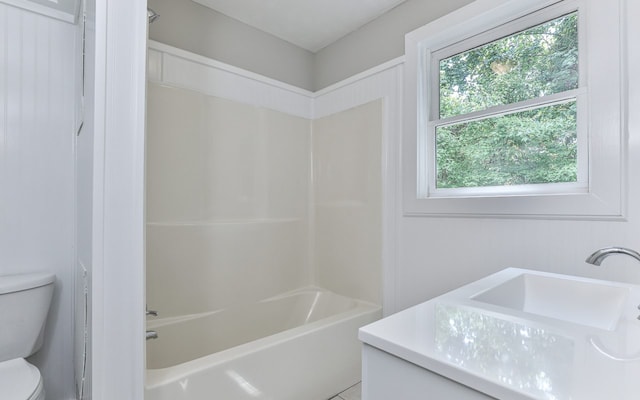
column 510, row 354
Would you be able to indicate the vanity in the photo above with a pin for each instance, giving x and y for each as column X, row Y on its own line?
column 517, row 334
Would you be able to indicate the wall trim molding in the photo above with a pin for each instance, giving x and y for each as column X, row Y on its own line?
column 165, row 48
column 175, row 67
column 362, row 75
column 167, row 65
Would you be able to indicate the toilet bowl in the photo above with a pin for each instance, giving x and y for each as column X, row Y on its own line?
column 20, row 380
column 24, row 304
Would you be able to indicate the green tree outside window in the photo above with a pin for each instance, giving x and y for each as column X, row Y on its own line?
column 536, row 145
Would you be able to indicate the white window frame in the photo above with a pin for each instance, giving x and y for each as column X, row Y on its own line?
column 600, row 190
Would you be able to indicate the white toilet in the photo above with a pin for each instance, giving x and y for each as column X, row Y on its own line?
column 24, row 304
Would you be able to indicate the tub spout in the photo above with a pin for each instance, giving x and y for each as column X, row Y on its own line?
column 599, row 255
column 150, row 312
column 152, row 335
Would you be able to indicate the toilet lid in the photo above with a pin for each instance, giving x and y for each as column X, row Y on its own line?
column 18, row 379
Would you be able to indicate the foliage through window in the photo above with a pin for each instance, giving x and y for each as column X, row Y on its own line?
column 507, row 111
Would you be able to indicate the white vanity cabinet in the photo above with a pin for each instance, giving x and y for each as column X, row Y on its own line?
column 385, row 377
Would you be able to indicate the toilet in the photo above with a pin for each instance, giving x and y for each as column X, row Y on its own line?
column 24, row 304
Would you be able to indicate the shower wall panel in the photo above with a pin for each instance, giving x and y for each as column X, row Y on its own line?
column 347, row 167
column 227, row 201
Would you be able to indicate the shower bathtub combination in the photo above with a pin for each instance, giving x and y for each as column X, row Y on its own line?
column 263, row 232
column 299, row 345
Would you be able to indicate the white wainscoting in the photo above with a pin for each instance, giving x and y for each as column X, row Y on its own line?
column 38, row 78
column 183, row 69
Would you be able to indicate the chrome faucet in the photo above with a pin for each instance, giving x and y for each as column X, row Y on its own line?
column 152, row 335
column 150, row 312
column 599, row 255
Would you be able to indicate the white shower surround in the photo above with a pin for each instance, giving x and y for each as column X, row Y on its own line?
column 175, row 70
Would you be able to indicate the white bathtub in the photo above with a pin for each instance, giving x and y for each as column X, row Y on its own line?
column 301, row 345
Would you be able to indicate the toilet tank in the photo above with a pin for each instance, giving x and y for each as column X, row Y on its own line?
column 24, row 304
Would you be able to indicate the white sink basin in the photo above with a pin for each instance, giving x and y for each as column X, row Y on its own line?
column 584, row 302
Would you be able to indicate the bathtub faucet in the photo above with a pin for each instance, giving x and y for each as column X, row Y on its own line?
column 599, row 255
column 150, row 312
column 152, row 335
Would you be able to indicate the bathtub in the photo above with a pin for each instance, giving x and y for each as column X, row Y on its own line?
column 301, row 345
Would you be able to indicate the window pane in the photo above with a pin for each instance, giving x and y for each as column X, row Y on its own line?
column 536, row 62
column 533, row 146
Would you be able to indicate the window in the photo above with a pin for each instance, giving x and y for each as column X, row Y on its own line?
column 503, row 118
column 507, row 110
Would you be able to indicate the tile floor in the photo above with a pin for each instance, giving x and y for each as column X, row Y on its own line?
column 353, row 393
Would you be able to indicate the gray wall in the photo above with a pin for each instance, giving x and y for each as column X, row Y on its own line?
column 379, row 41
column 198, row 29
column 193, row 27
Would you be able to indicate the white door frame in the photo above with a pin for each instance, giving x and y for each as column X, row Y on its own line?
column 118, row 277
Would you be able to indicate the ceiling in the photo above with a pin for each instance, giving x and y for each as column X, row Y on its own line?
column 310, row 24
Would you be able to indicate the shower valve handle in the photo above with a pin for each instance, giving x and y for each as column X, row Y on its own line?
column 151, row 312
column 151, row 335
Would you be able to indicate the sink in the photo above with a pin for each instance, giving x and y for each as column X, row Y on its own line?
column 585, row 302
